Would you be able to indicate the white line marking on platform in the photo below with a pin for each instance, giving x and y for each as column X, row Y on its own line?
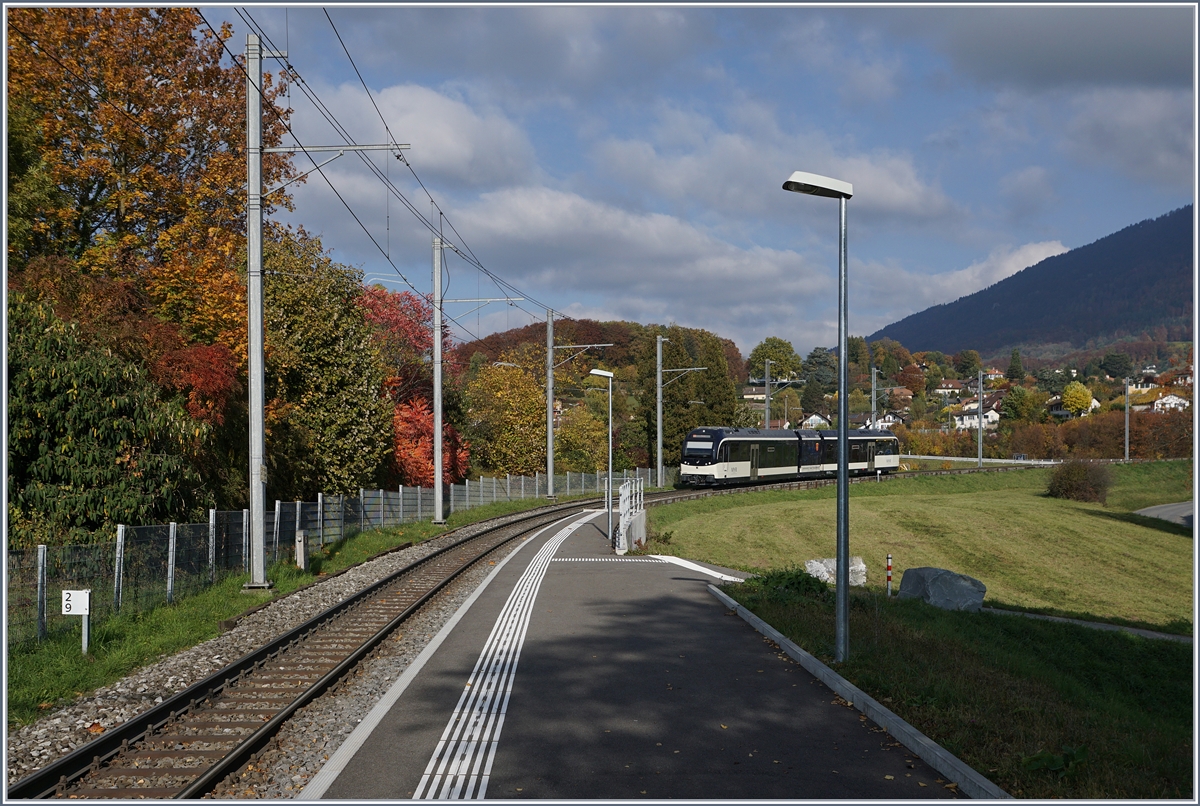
column 473, row 732
column 328, row 773
column 696, row 567
column 606, row 560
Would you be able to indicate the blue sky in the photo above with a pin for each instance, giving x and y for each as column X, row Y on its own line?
column 627, row 162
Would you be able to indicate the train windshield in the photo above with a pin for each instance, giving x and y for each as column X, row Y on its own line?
column 698, row 448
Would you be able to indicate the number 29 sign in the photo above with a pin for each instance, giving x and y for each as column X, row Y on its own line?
column 76, row 603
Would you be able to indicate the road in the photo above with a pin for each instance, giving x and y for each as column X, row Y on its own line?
column 1175, row 513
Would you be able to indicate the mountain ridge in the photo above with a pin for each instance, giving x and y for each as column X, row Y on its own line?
column 1135, row 282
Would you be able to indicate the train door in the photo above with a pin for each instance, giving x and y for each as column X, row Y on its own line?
column 754, row 461
column 871, row 456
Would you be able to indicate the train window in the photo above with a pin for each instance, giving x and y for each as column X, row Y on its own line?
column 883, row 447
column 698, row 448
column 739, row 451
column 810, row 452
column 856, row 452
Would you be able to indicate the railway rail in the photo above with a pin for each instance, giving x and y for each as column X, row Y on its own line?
column 184, row 747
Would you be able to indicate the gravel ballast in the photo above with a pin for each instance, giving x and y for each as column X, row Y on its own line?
column 315, row 732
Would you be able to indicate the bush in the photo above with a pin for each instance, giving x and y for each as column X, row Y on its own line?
column 787, row 586
column 1080, row 481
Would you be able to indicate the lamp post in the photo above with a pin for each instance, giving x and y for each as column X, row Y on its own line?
column 608, row 487
column 814, row 185
column 658, row 416
column 767, row 390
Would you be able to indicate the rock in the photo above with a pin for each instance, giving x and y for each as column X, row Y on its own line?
column 942, row 588
column 826, row 571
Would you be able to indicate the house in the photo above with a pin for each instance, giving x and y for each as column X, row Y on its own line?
column 993, row 374
column 1055, row 406
column 758, row 393
column 884, row 420
column 898, row 397
column 948, row 388
column 814, row 420
column 1171, row 402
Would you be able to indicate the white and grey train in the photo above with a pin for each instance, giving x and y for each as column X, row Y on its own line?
column 714, row 456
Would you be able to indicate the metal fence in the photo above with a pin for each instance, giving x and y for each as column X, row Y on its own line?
column 146, row 566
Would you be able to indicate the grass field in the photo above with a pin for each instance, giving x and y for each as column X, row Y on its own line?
column 43, row 675
column 1045, row 710
column 1031, row 551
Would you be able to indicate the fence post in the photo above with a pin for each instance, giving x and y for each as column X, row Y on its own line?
column 278, row 516
column 401, row 505
column 212, row 546
column 522, row 487
column 41, row 591
column 119, row 567
column 418, row 502
column 297, row 527
column 537, row 483
column 321, row 518
column 362, row 507
column 452, row 496
column 341, row 516
column 466, row 496
column 245, row 541
column 508, row 486
column 171, row 563
column 382, row 508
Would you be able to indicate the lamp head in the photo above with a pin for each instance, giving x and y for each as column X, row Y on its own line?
column 817, row 185
column 602, row 373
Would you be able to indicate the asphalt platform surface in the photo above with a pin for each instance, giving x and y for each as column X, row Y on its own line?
column 577, row 674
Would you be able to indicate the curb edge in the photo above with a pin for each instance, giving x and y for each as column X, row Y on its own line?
column 970, row 782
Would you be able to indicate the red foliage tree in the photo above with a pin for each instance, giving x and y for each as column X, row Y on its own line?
column 413, row 453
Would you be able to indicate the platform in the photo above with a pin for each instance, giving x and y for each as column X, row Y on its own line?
column 576, row 674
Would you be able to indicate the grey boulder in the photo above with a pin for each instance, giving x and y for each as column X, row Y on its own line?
column 826, row 571
column 942, row 588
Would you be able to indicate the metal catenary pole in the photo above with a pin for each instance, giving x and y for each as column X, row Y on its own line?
column 1126, row 419
column 658, row 417
column 550, row 404
column 254, row 223
column 767, row 392
column 438, row 515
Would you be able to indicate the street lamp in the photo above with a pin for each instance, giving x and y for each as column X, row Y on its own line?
column 600, row 373
column 814, row 185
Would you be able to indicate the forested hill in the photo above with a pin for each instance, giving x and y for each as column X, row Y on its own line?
column 1138, row 280
column 624, row 336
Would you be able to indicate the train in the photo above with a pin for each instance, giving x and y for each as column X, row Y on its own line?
column 714, row 456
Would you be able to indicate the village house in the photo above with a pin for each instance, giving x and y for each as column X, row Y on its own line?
column 814, row 421
column 948, row 388
column 1055, row 406
column 968, row 416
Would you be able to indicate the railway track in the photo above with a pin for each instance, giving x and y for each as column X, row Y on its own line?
column 184, row 747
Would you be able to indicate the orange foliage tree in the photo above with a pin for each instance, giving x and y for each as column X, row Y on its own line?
column 130, row 125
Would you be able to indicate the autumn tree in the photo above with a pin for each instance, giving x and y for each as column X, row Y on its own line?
column 412, row 446
column 967, row 363
column 506, row 407
column 784, row 361
column 1076, row 398
column 581, row 442
column 131, row 132
column 913, row 379
column 328, row 419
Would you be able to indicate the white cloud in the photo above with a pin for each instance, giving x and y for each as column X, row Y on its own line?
column 738, row 173
column 451, row 140
column 1147, row 134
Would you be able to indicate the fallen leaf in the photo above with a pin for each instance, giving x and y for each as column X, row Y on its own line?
column 950, row 786
column 42, row 706
column 889, row 777
column 919, row 783
column 95, row 727
column 724, row 727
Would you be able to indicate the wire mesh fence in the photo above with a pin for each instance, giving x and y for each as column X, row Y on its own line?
column 144, row 567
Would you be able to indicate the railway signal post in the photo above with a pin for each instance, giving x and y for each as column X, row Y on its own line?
column 815, row 185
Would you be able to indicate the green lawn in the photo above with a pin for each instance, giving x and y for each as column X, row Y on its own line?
column 1031, row 551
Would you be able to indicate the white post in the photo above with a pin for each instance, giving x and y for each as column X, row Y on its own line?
column 321, row 519
column 550, row 403
column 278, row 517
column 401, row 504
column 212, row 546
column 119, row 567
column 41, row 591
column 245, row 541
column 171, row 563
column 418, row 502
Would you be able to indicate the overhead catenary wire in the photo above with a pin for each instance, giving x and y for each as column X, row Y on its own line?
column 328, row 181
column 470, row 256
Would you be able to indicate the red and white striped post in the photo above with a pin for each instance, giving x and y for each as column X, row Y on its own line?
column 889, row 588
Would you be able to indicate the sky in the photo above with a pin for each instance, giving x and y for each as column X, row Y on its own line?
column 627, row 162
